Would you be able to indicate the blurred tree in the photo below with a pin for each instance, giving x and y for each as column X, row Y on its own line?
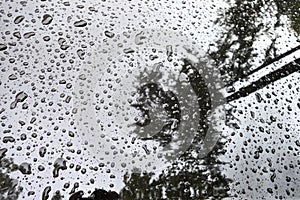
column 8, row 186
column 189, row 178
column 244, row 22
column 290, row 8
column 57, row 196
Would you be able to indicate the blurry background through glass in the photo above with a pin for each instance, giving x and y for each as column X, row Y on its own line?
column 93, row 92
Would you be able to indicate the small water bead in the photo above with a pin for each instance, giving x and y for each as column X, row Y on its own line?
column 41, row 168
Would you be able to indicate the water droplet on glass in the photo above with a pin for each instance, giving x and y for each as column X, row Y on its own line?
column 20, row 97
column 42, row 151
column 25, row 168
column 80, row 23
column 128, row 50
column 80, row 54
column 46, row 38
column 2, row 152
column 139, row 37
column 2, row 47
column 17, row 34
column 46, row 192
column 29, row 35
column 47, row 19
column 60, row 163
column 12, row 77
column 82, row 77
column 19, row 19
column 7, row 139
column 109, row 34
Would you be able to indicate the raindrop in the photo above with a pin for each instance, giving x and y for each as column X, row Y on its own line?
column 2, row 47
column 41, row 168
column 139, row 37
column 46, row 192
column 80, row 23
column 46, row 38
column 71, row 134
column 270, row 190
column 82, row 77
column 30, row 193
column 60, row 163
column 68, row 99
column 128, row 50
column 29, row 35
column 19, row 19
column 42, row 151
column 2, row 152
column 147, row 151
column 17, row 34
column 23, row 136
column 7, row 139
column 109, row 34
column 47, row 19
column 66, row 3
column 20, row 97
column 169, row 52
column 25, row 168
column 80, row 54
column 12, row 77
column 92, row 9
column 272, row 178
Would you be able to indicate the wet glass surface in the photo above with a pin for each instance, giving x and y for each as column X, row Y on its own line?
column 149, row 99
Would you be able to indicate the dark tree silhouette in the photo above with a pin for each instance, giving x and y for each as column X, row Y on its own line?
column 186, row 179
column 191, row 178
column 9, row 189
column 243, row 23
column 290, row 8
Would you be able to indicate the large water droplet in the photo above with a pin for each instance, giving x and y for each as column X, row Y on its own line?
column 80, row 23
column 42, row 151
column 20, row 97
column 2, row 152
column 19, row 19
column 46, row 192
column 25, row 168
column 12, row 77
column 60, row 163
column 109, row 34
column 29, row 35
column 47, row 19
column 2, row 47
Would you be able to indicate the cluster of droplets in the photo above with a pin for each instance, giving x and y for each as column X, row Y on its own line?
column 265, row 142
